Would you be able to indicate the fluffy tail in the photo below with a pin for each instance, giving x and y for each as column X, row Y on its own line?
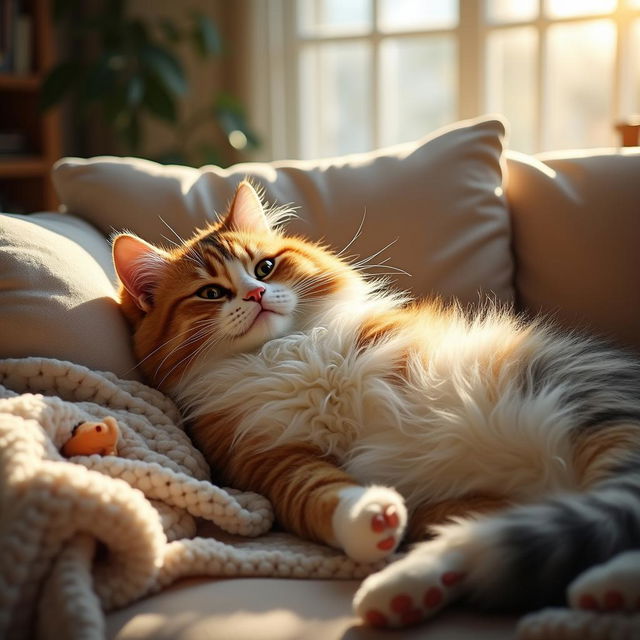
column 523, row 559
column 527, row 556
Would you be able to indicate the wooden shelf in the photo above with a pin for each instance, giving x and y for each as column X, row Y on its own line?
column 25, row 183
column 15, row 82
column 22, row 166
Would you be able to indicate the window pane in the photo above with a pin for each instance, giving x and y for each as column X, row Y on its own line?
column 334, row 17
column 335, row 99
column 418, row 86
column 511, row 10
column 511, row 82
column 403, row 15
column 579, row 77
column 570, row 8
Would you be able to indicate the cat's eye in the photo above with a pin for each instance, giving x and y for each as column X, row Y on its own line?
column 212, row 292
column 264, row 268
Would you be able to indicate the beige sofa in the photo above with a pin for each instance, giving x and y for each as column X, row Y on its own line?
column 558, row 234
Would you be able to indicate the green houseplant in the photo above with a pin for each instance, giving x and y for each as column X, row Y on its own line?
column 122, row 69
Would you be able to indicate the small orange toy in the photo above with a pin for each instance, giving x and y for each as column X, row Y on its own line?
column 88, row 438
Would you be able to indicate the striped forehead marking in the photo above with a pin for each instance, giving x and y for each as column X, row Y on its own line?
column 213, row 242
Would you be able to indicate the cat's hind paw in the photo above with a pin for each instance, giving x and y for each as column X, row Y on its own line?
column 369, row 522
column 611, row 586
column 410, row 590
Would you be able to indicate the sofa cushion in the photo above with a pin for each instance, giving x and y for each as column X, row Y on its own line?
column 439, row 201
column 57, row 299
column 281, row 609
column 576, row 226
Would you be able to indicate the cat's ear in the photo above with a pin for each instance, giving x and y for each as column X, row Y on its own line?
column 139, row 266
column 246, row 212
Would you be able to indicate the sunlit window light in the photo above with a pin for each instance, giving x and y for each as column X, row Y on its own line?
column 370, row 73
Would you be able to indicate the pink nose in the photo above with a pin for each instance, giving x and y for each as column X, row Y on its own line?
column 255, row 294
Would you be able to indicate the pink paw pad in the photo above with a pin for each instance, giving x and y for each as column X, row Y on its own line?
column 386, row 544
column 388, row 519
column 376, row 618
column 451, row 578
column 403, row 605
column 385, row 520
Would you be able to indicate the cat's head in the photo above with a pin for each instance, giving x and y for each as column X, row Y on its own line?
column 230, row 288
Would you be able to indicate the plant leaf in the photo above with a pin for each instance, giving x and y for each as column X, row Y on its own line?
column 205, row 35
column 138, row 32
column 115, row 108
column 131, row 132
column 169, row 30
column 165, row 67
column 100, row 78
column 60, row 81
column 158, row 100
column 135, row 91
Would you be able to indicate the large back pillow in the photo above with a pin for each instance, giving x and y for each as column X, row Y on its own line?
column 576, row 226
column 437, row 203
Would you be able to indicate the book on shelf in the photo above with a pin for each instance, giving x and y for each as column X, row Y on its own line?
column 12, row 143
column 16, row 38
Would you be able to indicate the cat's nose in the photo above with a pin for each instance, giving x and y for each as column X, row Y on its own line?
column 255, row 294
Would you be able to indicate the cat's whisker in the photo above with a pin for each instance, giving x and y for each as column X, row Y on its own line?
column 376, row 254
column 392, row 269
column 205, row 346
column 169, row 240
column 192, row 255
column 162, row 346
column 181, row 240
column 357, row 234
column 196, row 257
column 306, row 284
column 203, row 330
column 174, row 367
column 190, row 357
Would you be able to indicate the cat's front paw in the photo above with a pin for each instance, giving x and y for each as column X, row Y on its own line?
column 611, row 586
column 369, row 522
column 412, row 589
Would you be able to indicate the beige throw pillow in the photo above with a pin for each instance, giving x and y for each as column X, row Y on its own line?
column 437, row 203
column 57, row 299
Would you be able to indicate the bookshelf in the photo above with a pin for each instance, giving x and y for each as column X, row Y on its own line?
column 29, row 140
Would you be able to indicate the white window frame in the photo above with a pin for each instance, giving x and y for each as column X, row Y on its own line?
column 272, row 84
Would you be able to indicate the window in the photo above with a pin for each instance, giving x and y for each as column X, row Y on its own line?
column 351, row 75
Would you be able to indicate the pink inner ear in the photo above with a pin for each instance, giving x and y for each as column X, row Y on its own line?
column 138, row 266
column 247, row 213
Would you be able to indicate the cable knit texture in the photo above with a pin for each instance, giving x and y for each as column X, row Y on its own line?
column 141, row 506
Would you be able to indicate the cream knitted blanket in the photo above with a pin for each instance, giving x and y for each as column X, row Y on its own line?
column 96, row 533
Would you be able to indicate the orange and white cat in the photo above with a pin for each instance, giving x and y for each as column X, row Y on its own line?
column 369, row 419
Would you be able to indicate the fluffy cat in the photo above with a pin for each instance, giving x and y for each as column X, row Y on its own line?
column 369, row 419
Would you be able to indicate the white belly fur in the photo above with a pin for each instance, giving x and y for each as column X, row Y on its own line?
column 438, row 435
